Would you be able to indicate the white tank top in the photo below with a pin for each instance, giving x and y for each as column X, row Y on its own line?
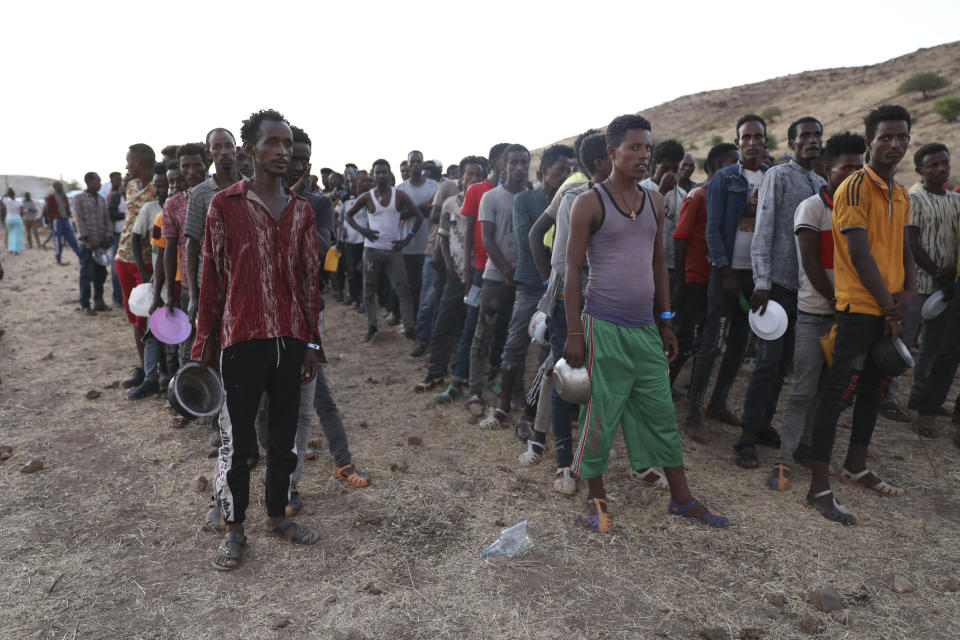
column 386, row 220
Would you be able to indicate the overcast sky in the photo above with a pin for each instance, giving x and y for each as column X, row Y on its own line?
column 370, row 79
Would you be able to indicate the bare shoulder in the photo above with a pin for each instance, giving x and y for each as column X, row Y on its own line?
column 656, row 199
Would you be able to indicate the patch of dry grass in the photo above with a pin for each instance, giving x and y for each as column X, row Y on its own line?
column 106, row 542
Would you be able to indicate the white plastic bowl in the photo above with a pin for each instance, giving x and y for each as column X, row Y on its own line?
column 772, row 324
column 538, row 327
column 141, row 297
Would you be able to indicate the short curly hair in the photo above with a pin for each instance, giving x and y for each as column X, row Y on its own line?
column 250, row 131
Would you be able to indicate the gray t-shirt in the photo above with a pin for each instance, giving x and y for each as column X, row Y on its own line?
column 420, row 195
column 496, row 206
column 198, row 202
column 558, row 259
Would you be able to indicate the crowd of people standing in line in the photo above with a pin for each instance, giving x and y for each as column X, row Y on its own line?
column 632, row 267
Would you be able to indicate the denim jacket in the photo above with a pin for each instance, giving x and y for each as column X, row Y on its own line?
column 726, row 197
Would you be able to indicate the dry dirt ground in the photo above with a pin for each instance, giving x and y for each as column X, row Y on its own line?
column 105, row 542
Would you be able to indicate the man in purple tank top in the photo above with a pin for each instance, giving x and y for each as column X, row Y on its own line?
column 618, row 226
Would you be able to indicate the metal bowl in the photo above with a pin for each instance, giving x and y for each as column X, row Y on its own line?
column 195, row 393
column 102, row 258
column 573, row 385
column 890, row 356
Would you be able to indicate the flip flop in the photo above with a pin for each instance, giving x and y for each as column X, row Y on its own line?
column 709, row 518
column 598, row 519
column 836, row 513
column 780, row 482
column 882, row 487
column 349, row 474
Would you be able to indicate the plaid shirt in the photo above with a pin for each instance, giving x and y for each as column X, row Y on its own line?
column 93, row 221
column 260, row 274
column 174, row 213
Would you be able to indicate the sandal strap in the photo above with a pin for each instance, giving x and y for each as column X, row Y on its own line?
column 826, row 492
column 681, row 509
column 854, row 476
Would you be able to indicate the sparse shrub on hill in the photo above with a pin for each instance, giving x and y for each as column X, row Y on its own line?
column 947, row 107
column 923, row 82
column 772, row 141
column 770, row 114
column 715, row 140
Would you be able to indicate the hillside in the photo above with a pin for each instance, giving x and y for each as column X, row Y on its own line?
column 838, row 97
column 37, row 187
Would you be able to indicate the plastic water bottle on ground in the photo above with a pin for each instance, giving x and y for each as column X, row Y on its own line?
column 512, row 541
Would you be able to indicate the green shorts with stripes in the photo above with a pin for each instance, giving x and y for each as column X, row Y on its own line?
column 629, row 386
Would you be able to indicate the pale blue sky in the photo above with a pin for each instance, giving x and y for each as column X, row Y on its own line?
column 380, row 78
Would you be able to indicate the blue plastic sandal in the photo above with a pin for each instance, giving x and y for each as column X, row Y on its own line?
column 709, row 518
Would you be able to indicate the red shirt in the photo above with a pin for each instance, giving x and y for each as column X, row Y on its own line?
column 471, row 207
column 53, row 209
column 174, row 213
column 692, row 227
column 259, row 274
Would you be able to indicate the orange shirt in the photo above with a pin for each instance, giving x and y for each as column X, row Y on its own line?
column 863, row 201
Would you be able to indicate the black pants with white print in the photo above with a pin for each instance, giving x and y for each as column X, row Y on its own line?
column 250, row 369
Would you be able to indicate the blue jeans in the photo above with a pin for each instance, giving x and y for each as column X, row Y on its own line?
column 461, row 365
column 518, row 339
column 770, row 368
column 151, row 356
column 430, row 287
column 63, row 232
column 561, row 410
column 91, row 274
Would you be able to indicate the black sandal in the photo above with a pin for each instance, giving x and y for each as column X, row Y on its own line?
column 227, row 553
column 289, row 530
column 836, row 513
column 746, row 455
